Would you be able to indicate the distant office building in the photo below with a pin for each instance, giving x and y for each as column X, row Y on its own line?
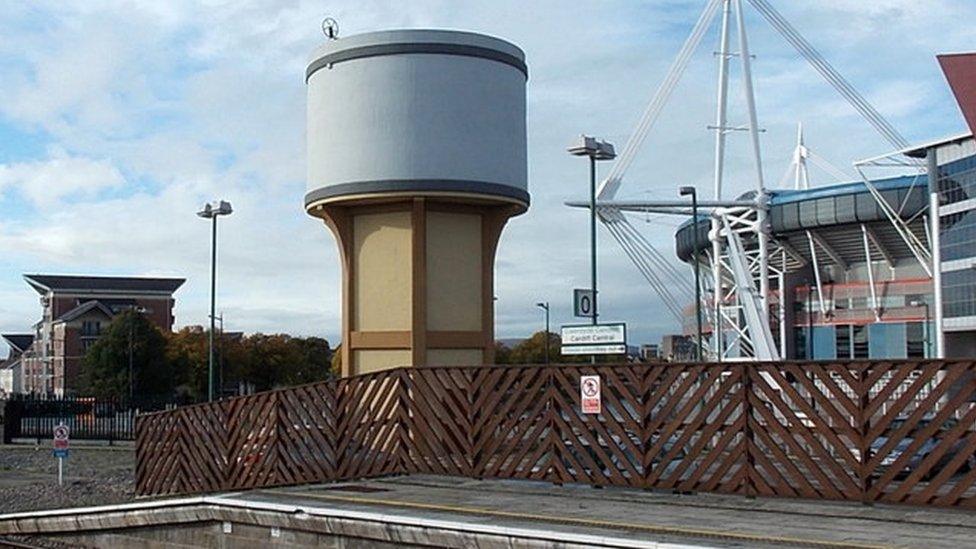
column 11, row 368
column 677, row 348
column 954, row 161
column 649, row 352
column 75, row 311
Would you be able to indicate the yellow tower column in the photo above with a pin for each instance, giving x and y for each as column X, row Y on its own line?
column 418, row 281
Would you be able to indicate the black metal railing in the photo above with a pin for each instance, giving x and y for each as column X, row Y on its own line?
column 88, row 418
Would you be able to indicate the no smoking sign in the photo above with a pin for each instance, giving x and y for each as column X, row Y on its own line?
column 590, row 394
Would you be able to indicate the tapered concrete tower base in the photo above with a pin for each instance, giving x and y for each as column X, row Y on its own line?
column 418, row 281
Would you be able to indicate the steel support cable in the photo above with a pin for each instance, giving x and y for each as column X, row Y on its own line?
column 862, row 106
column 659, row 259
column 666, row 297
column 640, row 261
column 828, row 167
column 918, row 249
column 608, row 188
column 648, row 275
column 655, row 257
column 829, row 73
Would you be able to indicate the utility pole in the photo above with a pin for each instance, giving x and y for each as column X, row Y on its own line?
column 545, row 307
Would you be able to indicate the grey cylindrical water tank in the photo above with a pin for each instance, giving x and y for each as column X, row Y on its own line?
column 417, row 112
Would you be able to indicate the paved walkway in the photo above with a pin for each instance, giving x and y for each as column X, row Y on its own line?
column 424, row 510
column 704, row 520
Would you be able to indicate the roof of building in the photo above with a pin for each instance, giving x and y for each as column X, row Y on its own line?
column 19, row 342
column 103, row 284
column 857, row 187
column 834, row 213
column 85, row 307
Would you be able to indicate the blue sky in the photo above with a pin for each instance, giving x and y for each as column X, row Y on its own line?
column 119, row 119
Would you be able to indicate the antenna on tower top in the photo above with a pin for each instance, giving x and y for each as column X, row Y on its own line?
column 330, row 28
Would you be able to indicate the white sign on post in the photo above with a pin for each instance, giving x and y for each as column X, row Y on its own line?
column 590, row 395
column 61, row 440
column 594, row 339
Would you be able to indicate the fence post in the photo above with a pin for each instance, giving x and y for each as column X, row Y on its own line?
column 864, row 427
column 551, row 419
column 403, row 424
column 473, row 470
column 747, row 431
column 11, row 417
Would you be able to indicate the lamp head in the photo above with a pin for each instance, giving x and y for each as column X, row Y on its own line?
column 206, row 212
column 592, row 147
column 685, row 191
column 209, row 211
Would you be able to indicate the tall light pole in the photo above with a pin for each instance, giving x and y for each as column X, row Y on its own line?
column 545, row 307
column 136, row 310
column 596, row 150
column 212, row 212
column 685, row 191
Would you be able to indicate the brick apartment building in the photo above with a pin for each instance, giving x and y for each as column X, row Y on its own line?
column 75, row 311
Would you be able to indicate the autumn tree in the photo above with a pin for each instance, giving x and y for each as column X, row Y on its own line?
column 105, row 368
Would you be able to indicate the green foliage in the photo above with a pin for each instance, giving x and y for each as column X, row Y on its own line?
column 533, row 351
column 530, row 351
column 503, row 354
column 105, row 367
column 176, row 364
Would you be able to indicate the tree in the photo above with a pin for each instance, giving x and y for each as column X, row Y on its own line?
column 533, row 350
column 503, row 354
column 280, row 360
column 105, row 367
column 187, row 353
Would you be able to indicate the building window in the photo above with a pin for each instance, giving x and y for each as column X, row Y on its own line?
column 859, row 337
column 959, row 293
column 843, row 334
column 801, row 344
column 915, row 339
column 91, row 328
column 958, row 235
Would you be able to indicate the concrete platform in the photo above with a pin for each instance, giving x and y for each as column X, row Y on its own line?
column 425, row 511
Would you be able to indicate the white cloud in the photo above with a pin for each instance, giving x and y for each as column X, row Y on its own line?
column 46, row 182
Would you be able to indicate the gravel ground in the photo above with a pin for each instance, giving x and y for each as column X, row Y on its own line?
column 93, row 476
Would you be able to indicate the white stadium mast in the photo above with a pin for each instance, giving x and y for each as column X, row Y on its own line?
column 742, row 255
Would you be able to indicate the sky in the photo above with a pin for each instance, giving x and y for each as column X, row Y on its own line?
column 119, row 119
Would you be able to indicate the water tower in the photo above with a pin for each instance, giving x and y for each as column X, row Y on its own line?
column 416, row 160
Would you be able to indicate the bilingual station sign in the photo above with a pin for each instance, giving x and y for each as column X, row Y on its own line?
column 599, row 339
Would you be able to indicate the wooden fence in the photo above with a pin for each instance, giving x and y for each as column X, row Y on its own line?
column 894, row 431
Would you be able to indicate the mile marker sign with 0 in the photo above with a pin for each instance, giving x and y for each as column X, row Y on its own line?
column 590, row 394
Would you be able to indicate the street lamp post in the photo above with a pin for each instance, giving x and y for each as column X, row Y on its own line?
column 595, row 150
column 925, row 330
column 685, row 191
column 137, row 310
column 212, row 212
column 545, row 307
